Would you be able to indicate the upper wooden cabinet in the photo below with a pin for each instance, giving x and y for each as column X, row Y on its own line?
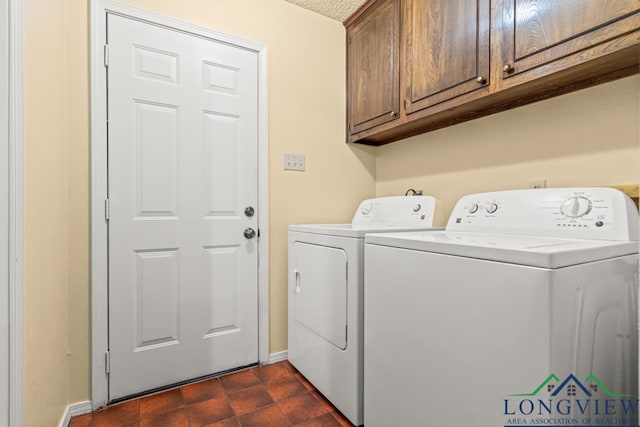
column 463, row 59
column 540, row 37
column 373, row 45
column 446, row 50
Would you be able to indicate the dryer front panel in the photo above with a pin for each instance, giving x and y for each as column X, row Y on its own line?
column 320, row 291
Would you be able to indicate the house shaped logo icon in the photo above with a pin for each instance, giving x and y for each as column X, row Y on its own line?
column 571, row 385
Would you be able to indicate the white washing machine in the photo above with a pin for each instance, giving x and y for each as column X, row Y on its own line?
column 523, row 289
column 325, row 295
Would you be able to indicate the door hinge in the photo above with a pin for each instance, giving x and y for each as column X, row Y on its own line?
column 405, row 105
column 258, row 233
column 106, row 55
column 107, row 362
column 107, row 209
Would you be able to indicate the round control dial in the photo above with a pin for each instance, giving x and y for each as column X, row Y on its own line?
column 417, row 207
column 492, row 208
column 366, row 208
column 473, row 208
column 575, row 207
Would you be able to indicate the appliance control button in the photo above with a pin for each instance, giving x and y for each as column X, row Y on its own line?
column 473, row 208
column 599, row 223
column 417, row 207
column 492, row 208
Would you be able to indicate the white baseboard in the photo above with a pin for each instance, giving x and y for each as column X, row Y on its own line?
column 74, row 409
column 278, row 357
column 81, row 408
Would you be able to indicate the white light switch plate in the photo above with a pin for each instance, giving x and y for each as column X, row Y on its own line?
column 294, row 162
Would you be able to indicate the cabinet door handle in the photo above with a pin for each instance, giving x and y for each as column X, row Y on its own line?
column 393, row 114
column 508, row 68
column 481, row 80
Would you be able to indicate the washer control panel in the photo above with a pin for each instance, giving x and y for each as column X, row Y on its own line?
column 590, row 213
column 396, row 211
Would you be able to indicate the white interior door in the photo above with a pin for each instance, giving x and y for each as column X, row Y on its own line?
column 183, row 281
column 4, row 212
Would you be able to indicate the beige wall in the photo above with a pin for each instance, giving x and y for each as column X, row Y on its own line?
column 45, row 221
column 306, row 64
column 78, row 200
column 589, row 137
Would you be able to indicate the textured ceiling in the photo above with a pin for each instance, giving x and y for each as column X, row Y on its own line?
column 336, row 9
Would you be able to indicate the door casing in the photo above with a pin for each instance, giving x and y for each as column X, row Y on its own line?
column 11, row 219
column 99, row 179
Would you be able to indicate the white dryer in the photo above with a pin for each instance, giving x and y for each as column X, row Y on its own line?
column 326, row 295
column 522, row 290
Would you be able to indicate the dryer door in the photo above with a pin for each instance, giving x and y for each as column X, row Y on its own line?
column 320, row 291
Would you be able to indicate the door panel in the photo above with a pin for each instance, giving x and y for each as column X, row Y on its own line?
column 156, row 299
column 447, row 50
column 221, row 264
column 541, row 24
column 320, row 291
column 536, row 32
column 182, row 167
column 373, row 57
column 156, row 155
column 221, row 157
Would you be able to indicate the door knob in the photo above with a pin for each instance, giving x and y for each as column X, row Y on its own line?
column 249, row 233
column 508, row 68
column 249, row 211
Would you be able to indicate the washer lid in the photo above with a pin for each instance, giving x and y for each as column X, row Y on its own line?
column 546, row 252
column 354, row 230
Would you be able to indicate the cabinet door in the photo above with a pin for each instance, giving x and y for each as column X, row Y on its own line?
column 373, row 56
column 446, row 50
column 534, row 33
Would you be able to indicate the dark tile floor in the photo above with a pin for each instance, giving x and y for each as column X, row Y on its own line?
column 266, row 396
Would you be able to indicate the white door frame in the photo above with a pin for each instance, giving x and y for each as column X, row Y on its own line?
column 11, row 190
column 99, row 179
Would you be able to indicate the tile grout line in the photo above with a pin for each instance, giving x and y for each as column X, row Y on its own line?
column 266, row 375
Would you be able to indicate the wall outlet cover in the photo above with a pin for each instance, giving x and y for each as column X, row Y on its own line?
column 538, row 183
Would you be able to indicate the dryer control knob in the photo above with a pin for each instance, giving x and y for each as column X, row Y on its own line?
column 366, row 208
column 575, row 207
column 417, row 207
column 492, row 208
column 473, row 208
